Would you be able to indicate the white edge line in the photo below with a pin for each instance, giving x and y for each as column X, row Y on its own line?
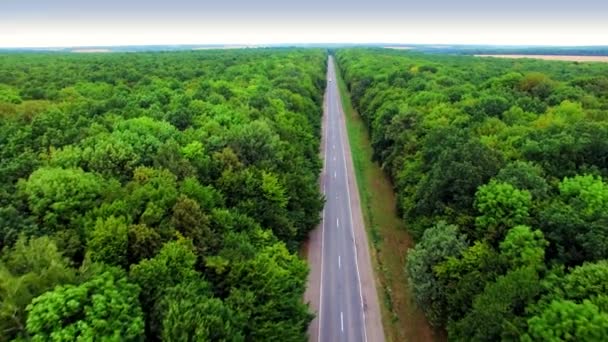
column 326, row 119
column 351, row 217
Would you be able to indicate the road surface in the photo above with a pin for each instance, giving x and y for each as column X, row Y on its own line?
column 341, row 288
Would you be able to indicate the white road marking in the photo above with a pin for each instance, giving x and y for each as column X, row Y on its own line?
column 320, row 321
column 341, row 321
column 339, row 262
column 335, row 174
column 338, row 222
column 350, row 210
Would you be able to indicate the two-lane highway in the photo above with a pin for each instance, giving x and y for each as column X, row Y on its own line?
column 345, row 288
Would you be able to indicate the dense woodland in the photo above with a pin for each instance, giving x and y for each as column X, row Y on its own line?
column 501, row 172
column 158, row 196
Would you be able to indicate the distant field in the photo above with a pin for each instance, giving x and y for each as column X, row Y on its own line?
column 224, row 47
column 399, row 47
column 554, row 57
column 90, row 50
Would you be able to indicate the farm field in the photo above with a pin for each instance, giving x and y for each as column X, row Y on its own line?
column 554, row 57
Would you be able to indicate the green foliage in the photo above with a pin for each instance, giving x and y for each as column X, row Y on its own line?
column 438, row 243
column 30, row 268
column 58, row 197
column 189, row 220
column 587, row 194
column 525, row 176
column 268, row 295
column 501, row 206
column 494, row 148
column 495, row 312
column 191, row 313
column 464, row 277
column 180, row 167
column 143, row 243
column 523, row 247
column 575, row 222
column 108, row 242
column 588, row 281
column 104, row 307
column 565, row 320
column 173, row 264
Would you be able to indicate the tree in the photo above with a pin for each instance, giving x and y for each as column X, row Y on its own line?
column 456, row 167
column 575, row 222
column 267, row 291
column 207, row 197
column 490, row 105
column 190, row 312
column 536, row 84
column 143, row 243
column 464, row 277
column 438, row 243
column 173, row 265
column 254, row 143
column 109, row 241
column 104, row 307
column 59, row 197
column 111, row 154
column 524, row 247
column 564, row 320
column 525, row 176
column 501, row 207
column 189, row 220
column 151, row 195
column 589, row 280
column 30, row 268
column 586, row 193
column 497, row 312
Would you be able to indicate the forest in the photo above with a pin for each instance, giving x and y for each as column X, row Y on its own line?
column 501, row 173
column 158, row 196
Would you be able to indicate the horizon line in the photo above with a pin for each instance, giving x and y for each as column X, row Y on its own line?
column 257, row 45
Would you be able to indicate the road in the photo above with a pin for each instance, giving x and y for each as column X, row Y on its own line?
column 341, row 287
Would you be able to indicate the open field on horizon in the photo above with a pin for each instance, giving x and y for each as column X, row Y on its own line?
column 568, row 58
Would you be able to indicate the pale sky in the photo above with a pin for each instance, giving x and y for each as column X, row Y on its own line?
column 58, row 23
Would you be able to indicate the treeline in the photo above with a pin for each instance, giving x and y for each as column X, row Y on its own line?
column 158, row 196
column 500, row 169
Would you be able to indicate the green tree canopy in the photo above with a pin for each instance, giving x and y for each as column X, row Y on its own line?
column 104, row 307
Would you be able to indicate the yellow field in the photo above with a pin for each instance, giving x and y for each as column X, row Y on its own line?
column 554, row 57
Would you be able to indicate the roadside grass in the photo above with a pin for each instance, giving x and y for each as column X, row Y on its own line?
column 401, row 319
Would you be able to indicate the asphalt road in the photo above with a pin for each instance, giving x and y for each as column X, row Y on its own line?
column 344, row 278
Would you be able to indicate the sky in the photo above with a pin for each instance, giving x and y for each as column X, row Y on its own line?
column 63, row 23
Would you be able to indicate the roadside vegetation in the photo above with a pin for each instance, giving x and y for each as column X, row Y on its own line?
column 402, row 320
column 500, row 171
column 158, row 196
